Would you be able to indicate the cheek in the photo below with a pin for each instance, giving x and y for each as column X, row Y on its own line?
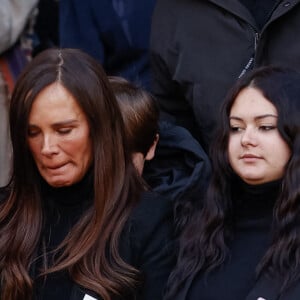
column 82, row 151
column 77, row 145
column 232, row 148
column 34, row 147
column 284, row 155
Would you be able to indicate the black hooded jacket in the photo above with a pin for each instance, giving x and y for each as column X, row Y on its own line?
column 199, row 48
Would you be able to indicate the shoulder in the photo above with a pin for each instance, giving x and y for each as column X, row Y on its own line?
column 151, row 220
column 152, row 208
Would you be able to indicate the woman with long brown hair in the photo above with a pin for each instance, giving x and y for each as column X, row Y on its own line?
column 76, row 221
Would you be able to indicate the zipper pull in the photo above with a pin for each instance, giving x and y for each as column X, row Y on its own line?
column 256, row 39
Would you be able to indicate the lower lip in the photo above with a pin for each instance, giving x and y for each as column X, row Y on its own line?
column 58, row 169
column 250, row 159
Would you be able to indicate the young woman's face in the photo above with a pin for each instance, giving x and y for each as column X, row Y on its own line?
column 257, row 152
column 58, row 137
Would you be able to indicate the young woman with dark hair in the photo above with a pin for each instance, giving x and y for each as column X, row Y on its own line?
column 244, row 240
column 75, row 219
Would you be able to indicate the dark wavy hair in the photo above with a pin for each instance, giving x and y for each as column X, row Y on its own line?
column 117, row 187
column 140, row 114
column 203, row 242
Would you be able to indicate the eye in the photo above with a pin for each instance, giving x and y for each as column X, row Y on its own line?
column 64, row 130
column 32, row 132
column 267, row 127
column 235, row 128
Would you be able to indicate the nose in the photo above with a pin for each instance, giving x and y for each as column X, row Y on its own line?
column 249, row 137
column 49, row 146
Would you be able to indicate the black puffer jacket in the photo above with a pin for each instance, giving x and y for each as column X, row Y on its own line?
column 200, row 47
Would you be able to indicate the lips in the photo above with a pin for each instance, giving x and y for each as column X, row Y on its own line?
column 55, row 167
column 249, row 157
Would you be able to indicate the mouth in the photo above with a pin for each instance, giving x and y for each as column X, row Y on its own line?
column 55, row 167
column 250, row 157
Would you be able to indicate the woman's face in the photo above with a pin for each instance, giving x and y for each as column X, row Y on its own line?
column 58, row 137
column 257, row 152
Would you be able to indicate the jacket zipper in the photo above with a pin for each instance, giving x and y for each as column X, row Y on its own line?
column 251, row 60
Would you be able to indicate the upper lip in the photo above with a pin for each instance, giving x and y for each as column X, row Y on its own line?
column 54, row 166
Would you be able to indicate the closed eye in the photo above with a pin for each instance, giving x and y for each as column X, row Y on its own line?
column 32, row 132
column 64, row 131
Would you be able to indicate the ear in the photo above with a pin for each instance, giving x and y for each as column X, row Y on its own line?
column 151, row 152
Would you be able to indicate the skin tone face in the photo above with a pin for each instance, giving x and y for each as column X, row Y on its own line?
column 58, row 137
column 257, row 152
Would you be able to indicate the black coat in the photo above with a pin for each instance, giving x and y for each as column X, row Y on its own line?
column 265, row 289
column 200, row 47
column 146, row 243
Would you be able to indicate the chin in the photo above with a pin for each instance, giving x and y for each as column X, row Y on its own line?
column 253, row 180
column 59, row 183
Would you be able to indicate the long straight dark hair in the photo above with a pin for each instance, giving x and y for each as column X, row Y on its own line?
column 203, row 242
column 116, row 184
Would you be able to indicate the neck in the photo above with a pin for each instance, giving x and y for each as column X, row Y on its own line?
column 74, row 195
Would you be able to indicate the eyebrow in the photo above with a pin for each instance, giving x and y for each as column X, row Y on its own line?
column 255, row 118
column 62, row 123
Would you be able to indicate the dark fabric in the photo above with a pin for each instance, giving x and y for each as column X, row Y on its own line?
column 200, row 48
column 62, row 207
column 179, row 169
column 145, row 243
column 261, row 10
column 46, row 26
column 180, row 163
column 116, row 32
column 253, row 207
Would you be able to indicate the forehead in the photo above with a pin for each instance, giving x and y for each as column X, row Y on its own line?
column 251, row 102
column 54, row 101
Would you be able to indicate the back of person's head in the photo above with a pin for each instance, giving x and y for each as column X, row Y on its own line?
column 140, row 114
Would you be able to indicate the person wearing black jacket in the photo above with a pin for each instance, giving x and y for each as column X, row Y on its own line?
column 76, row 219
column 243, row 241
column 199, row 48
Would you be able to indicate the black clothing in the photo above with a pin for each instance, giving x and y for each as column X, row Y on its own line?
column 200, row 48
column 180, row 168
column 63, row 208
column 179, row 164
column 46, row 26
column 253, row 211
column 253, row 208
column 145, row 243
column 260, row 10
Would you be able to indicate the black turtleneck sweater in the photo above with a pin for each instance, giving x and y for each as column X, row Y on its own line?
column 62, row 209
column 253, row 209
